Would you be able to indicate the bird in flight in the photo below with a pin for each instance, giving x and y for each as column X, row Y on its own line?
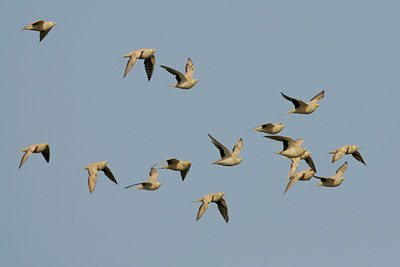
column 185, row 81
column 216, row 198
column 302, row 107
column 228, row 158
column 42, row 26
column 93, row 168
column 38, row 148
column 149, row 60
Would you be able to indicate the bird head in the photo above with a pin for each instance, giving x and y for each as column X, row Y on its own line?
column 240, row 159
column 195, row 81
column 188, row 163
column 152, row 51
column 316, row 105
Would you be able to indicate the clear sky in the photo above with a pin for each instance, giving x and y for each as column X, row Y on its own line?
column 68, row 91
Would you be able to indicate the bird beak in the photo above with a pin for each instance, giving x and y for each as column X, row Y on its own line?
column 316, row 105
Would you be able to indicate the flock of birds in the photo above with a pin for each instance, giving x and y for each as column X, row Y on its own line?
column 291, row 148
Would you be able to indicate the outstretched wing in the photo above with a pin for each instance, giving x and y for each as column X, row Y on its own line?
column 223, row 151
column 293, row 166
column 46, row 153
column 92, row 178
column 337, row 155
column 189, row 69
column 153, row 175
column 35, row 23
column 223, row 209
column 358, row 157
column 178, row 75
column 237, row 148
column 292, row 181
column 287, row 141
column 295, row 101
column 109, row 174
column 203, row 208
column 310, row 163
column 318, row 97
column 149, row 66
column 134, row 57
column 24, row 158
column 342, row 169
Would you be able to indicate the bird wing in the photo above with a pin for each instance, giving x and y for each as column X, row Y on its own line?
column 323, row 179
column 318, row 97
column 92, row 178
column 142, row 183
column 358, row 157
column 133, row 58
column 342, row 169
column 184, row 173
column 149, row 66
column 46, row 153
column 25, row 157
column 293, row 166
column 339, row 153
column 189, row 69
column 287, row 141
column 109, row 174
column 203, row 207
column 310, row 163
column 43, row 34
column 178, row 75
column 223, row 209
column 237, row 148
column 297, row 103
column 223, row 151
column 39, row 21
column 153, row 175
column 292, row 181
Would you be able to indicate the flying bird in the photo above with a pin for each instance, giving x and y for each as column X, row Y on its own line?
column 335, row 180
column 177, row 165
column 151, row 183
column 296, row 161
column 149, row 60
column 291, row 148
column 302, row 107
column 270, row 128
column 184, row 81
column 216, row 198
column 93, row 168
column 300, row 176
column 227, row 158
column 38, row 148
column 348, row 149
column 40, row 25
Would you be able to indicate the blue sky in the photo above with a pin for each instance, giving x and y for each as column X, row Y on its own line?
column 68, row 91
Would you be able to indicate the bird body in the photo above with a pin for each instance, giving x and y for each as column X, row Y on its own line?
column 147, row 55
column 334, row 180
column 93, row 169
column 300, row 176
column 216, row 198
column 291, row 148
column 177, row 165
column 42, row 26
column 347, row 149
column 184, row 81
column 270, row 128
column 151, row 183
column 302, row 107
column 37, row 148
column 228, row 158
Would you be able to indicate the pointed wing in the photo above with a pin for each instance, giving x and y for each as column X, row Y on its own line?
column 292, row 181
column 153, row 175
column 178, row 75
column 46, row 153
column 293, row 166
column 342, row 169
column 130, row 63
column 24, row 158
column 142, row 183
column 189, row 69
column 295, row 101
column 184, row 173
column 358, row 157
column 109, row 174
column 203, row 208
column 38, row 22
column 323, row 179
column 310, row 163
column 223, row 151
column 149, row 66
column 337, row 155
column 287, row 141
column 43, row 34
column 92, row 178
column 318, row 97
column 223, row 209
column 237, row 148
